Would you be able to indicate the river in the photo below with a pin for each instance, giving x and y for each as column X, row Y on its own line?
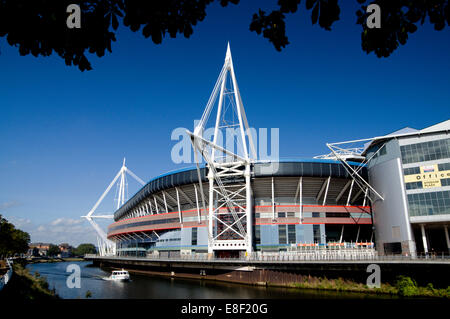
column 153, row 287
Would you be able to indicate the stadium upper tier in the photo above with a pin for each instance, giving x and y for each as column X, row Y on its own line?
column 181, row 187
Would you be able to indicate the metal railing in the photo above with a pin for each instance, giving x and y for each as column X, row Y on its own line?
column 324, row 255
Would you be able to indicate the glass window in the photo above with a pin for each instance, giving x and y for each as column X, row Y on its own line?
column 411, row 171
column 426, row 151
column 282, row 234
column 444, row 167
column 291, row 234
column 281, row 214
column 436, row 203
column 194, row 236
column 414, row 185
column 316, row 233
column 257, row 234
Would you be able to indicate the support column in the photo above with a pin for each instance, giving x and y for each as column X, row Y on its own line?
column 211, row 211
column 273, row 200
column 326, row 191
column 249, row 209
column 179, row 207
column 156, row 205
column 165, row 201
column 350, row 192
column 196, row 202
column 446, row 237
column 342, row 234
column 301, row 200
column 357, row 235
column 424, row 238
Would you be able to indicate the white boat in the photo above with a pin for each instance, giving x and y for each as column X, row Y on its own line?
column 119, row 275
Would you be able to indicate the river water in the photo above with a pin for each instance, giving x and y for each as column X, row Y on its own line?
column 153, row 287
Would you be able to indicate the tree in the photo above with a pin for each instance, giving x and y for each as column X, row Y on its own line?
column 53, row 250
column 39, row 27
column 12, row 241
column 83, row 249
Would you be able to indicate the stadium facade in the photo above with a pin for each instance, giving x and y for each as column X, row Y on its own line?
column 296, row 204
column 411, row 168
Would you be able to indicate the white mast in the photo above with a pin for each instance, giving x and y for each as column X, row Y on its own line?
column 230, row 202
column 106, row 246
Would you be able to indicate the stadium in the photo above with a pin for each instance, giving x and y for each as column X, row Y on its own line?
column 385, row 195
column 237, row 204
column 300, row 204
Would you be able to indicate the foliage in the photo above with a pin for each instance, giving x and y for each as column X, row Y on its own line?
column 83, row 249
column 406, row 286
column 12, row 240
column 24, row 286
column 53, row 250
column 39, row 27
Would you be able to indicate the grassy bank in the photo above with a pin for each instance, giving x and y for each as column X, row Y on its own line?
column 24, row 286
column 404, row 286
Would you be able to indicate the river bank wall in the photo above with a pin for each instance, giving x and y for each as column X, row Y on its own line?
column 284, row 273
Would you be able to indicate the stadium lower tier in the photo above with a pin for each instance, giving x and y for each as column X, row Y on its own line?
column 285, row 229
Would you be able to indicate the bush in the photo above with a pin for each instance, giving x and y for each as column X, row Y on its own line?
column 406, row 286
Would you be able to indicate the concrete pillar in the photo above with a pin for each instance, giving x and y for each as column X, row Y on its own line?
column 446, row 237
column 249, row 210
column 210, row 214
column 357, row 235
column 342, row 234
column 424, row 238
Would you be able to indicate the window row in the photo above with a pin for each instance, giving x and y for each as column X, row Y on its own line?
column 424, row 204
column 286, row 234
column 411, row 171
column 279, row 214
column 381, row 152
column 426, row 151
column 414, row 185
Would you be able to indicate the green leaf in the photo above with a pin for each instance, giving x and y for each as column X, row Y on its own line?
column 115, row 22
column 310, row 3
column 315, row 14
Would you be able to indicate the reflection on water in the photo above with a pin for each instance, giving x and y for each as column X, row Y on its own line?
column 164, row 288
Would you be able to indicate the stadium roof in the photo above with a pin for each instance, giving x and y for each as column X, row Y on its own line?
column 407, row 131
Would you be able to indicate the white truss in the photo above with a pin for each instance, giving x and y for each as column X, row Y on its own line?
column 108, row 247
column 341, row 153
column 353, row 153
column 230, row 194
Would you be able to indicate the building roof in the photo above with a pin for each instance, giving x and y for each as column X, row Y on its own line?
column 407, row 132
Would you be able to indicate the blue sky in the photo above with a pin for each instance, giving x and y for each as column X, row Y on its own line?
column 64, row 133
